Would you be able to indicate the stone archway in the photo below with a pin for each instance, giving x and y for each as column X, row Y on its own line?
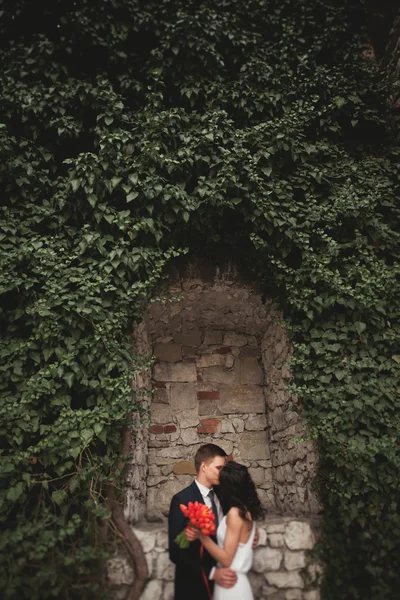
column 219, row 375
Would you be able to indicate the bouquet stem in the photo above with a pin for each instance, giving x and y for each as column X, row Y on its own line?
column 182, row 540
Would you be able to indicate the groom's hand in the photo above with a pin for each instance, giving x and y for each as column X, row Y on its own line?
column 225, row 577
column 256, row 539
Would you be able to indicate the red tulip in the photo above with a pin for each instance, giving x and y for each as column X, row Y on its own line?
column 200, row 517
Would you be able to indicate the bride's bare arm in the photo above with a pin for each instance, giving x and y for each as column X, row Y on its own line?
column 224, row 556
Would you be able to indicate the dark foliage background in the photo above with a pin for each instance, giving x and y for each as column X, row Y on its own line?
column 131, row 131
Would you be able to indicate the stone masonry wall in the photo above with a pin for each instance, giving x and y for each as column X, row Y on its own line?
column 276, row 575
column 219, row 376
column 292, row 453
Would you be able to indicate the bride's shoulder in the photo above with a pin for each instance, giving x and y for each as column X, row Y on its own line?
column 233, row 515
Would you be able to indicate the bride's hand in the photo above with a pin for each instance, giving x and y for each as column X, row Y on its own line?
column 192, row 534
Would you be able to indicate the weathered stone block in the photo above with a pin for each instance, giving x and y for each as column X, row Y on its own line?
column 166, row 469
column 224, row 350
column 190, row 351
column 294, row 560
column 211, row 360
column 284, row 579
column 256, row 423
column 250, row 352
column 276, row 540
column 184, row 467
column 257, row 475
column 175, row 371
column 174, row 452
column 146, row 536
column 284, row 474
column 266, row 559
column 165, row 569
column 161, row 413
column 241, row 399
column 185, row 480
column 165, row 339
column 266, row 464
column 218, row 375
column 119, row 571
column 160, row 396
column 159, row 384
column 188, row 418
column 312, row 595
column 152, row 591
column 227, row 427
column 189, row 436
column 299, row 536
column 152, row 481
column 168, row 352
column 257, row 581
column 163, row 460
column 277, row 419
column 154, row 470
column 262, row 539
column 294, row 595
column 247, row 370
column 169, row 591
column 212, row 338
column 182, row 396
column 238, row 424
column 272, row 593
column 253, row 445
column 235, row 339
column 229, row 361
column 162, row 540
column 191, row 338
column 226, row 445
column 268, row 483
column 163, row 496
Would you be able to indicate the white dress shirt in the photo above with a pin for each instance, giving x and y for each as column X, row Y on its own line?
column 204, row 491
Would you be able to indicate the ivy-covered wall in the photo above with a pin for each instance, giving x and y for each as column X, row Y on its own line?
column 132, row 131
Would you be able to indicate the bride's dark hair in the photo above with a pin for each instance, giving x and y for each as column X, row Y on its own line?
column 236, row 488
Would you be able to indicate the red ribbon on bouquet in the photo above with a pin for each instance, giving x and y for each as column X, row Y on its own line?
column 204, row 574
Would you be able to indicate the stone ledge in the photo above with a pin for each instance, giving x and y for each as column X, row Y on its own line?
column 275, row 570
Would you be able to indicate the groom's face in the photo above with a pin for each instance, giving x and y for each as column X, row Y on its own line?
column 212, row 468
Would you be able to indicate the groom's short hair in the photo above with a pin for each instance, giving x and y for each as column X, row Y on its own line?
column 207, row 452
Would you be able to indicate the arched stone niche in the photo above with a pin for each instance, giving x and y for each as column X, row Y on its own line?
column 220, row 370
column 219, row 375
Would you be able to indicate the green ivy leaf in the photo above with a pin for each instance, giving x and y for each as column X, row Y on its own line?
column 14, row 493
column 59, row 497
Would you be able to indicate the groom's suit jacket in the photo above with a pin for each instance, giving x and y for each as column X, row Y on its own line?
column 189, row 581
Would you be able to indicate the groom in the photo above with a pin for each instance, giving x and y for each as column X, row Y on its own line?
column 190, row 568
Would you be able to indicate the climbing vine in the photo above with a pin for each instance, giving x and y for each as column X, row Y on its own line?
column 131, row 132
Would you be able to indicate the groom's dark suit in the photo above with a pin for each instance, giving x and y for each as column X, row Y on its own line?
column 189, row 582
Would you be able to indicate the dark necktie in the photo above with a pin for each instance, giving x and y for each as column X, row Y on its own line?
column 211, row 495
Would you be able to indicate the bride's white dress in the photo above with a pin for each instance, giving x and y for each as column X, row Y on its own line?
column 241, row 564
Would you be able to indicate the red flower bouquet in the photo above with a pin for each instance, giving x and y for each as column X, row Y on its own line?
column 200, row 517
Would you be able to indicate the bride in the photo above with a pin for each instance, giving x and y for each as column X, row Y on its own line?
column 235, row 534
